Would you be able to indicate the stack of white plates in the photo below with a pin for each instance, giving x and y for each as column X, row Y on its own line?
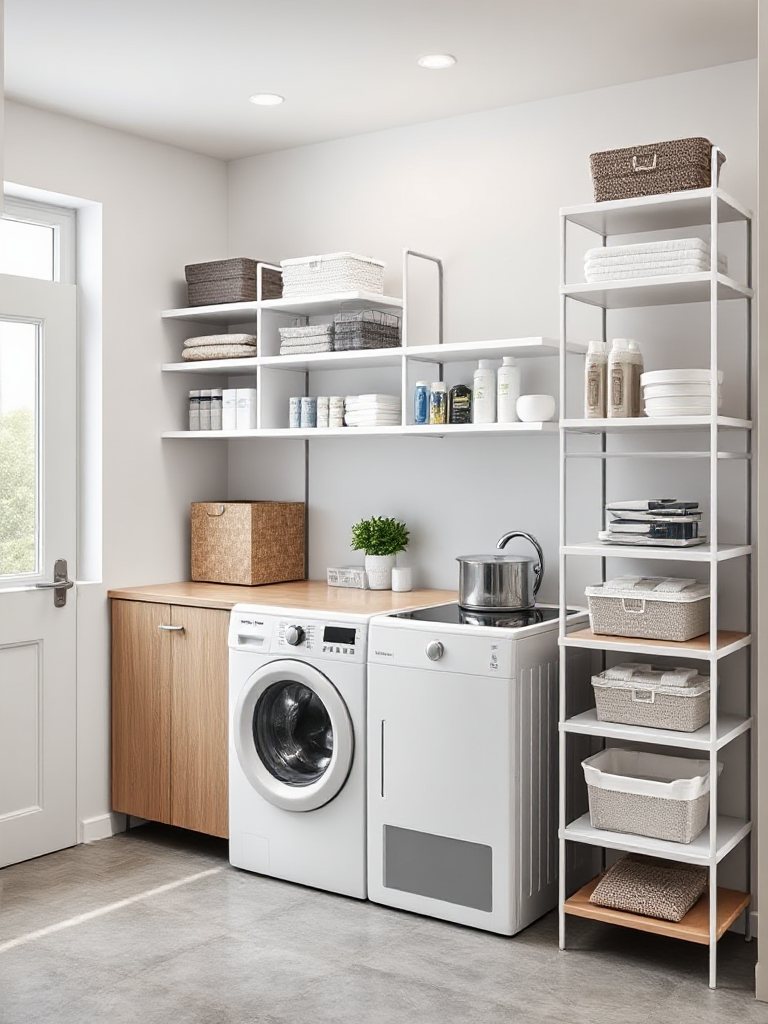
column 679, row 392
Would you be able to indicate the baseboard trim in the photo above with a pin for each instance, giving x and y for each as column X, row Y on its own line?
column 753, row 923
column 761, row 981
column 90, row 830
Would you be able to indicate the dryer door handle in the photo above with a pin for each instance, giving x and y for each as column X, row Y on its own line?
column 382, row 759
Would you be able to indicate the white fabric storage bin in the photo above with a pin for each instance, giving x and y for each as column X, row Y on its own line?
column 646, row 794
column 331, row 273
column 635, row 694
column 651, row 607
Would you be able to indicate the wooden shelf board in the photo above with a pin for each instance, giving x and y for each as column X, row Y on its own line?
column 694, row 927
column 728, row 640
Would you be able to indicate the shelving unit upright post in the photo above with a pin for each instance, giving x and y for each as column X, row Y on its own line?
column 712, row 916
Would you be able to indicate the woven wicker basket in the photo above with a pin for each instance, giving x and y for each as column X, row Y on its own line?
column 659, row 167
column 333, row 272
column 229, row 281
column 368, row 329
column 248, row 542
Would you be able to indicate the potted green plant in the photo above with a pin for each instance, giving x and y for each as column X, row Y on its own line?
column 380, row 538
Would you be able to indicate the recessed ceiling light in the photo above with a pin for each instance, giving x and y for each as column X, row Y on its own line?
column 266, row 99
column 437, row 61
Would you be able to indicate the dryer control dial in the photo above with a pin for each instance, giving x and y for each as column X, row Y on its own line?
column 294, row 635
column 434, row 650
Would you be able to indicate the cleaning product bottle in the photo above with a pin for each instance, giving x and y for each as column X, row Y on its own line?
column 507, row 390
column 595, row 381
column 484, row 393
column 620, row 379
column 638, row 366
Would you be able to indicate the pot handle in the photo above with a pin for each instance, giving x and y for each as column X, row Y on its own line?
column 538, row 569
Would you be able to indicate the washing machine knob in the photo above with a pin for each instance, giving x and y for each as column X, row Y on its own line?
column 294, row 635
column 435, row 650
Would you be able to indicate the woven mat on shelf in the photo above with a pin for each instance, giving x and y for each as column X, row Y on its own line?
column 650, row 886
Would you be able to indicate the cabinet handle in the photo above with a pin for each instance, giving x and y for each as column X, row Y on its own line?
column 173, row 629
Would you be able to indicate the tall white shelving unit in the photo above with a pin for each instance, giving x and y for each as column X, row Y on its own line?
column 728, row 438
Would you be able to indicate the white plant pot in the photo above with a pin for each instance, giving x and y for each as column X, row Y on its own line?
column 379, row 570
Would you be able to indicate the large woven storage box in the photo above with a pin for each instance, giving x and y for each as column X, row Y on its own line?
column 370, row 328
column 248, row 542
column 650, row 170
column 634, row 694
column 648, row 794
column 652, row 607
column 332, row 273
column 230, row 281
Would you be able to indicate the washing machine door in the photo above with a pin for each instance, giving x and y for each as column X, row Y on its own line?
column 293, row 735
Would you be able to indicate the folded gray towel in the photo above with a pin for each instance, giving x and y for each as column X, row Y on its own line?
column 219, row 352
column 220, row 339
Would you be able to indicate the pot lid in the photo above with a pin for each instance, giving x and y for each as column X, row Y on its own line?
column 500, row 557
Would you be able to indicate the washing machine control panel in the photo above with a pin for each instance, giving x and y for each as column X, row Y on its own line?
column 293, row 635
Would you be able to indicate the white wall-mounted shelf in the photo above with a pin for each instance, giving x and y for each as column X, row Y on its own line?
column 730, row 832
column 656, row 291
column 242, row 312
column 443, row 430
column 728, row 728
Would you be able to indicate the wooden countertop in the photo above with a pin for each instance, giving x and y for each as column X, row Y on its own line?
column 306, row 595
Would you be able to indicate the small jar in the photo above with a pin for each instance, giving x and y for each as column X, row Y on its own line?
column 322, row 410
column 438, row 402
column 294, row 412
column 421, row 402
column 217, row 408
column 194, row 410
column 460, row 404
column 308, row 412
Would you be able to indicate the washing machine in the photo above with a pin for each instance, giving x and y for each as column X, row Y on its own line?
column 297, row 746
column 462, row 763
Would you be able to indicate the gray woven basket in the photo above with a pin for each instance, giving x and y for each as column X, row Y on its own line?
column 656, row 709
column 678, row 821
column 659, row 167
column 231, row 280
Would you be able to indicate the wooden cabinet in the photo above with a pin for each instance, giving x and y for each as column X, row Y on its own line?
column 169, row 714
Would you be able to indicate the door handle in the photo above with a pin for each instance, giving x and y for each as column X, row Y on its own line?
column 171, row 629
column 61, row 584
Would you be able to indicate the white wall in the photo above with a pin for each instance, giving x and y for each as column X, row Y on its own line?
column 483, row 192
column 161, row 208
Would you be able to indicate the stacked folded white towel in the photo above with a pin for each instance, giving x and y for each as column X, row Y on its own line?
column 302, row 346
column 372, row 411
column 650, row 259
column 220, row 346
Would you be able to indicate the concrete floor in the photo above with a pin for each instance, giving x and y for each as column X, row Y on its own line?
column 154, row 926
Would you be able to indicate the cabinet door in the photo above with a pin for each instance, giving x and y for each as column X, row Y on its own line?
column 141, row 673
column 199, row 728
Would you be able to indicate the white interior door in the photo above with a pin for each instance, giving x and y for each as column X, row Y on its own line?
column 38, row 444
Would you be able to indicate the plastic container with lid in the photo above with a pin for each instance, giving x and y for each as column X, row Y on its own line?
column 657, row 698
column 460, row 404
column 595, row 381
column 652, row 607
column 484, row 392
column 421, row 402
column 620, row 369
column 438, row 402
column 507, row 390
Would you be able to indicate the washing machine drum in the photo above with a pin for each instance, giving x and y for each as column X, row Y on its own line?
column 293, row 735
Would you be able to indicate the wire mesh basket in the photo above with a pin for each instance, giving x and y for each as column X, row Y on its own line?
column 370, row 328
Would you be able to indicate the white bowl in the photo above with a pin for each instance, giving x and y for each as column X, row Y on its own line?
column 679, row 377
column 535, row 408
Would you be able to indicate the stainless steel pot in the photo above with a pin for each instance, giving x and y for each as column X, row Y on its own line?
column 501, row 582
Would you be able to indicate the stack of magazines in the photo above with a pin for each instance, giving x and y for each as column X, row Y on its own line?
column 653, row 522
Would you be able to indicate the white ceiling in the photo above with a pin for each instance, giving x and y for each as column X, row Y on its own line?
column 181, row 71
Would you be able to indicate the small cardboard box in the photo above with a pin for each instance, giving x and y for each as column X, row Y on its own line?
column 248, row 542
